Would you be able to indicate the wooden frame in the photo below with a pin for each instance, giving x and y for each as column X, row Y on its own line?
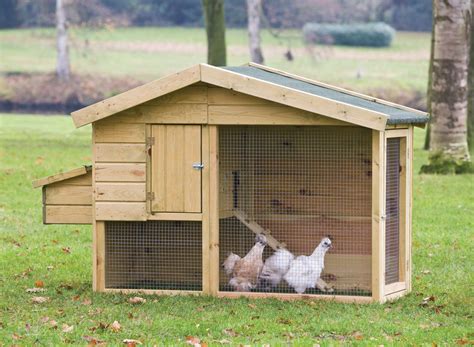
column 397, row 289
column 210, row 96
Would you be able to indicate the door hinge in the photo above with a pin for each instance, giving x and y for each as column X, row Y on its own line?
column 150, row 196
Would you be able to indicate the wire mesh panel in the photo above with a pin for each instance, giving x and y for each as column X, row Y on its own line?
column 296, row 185
column 153, row 255
column 392, row 222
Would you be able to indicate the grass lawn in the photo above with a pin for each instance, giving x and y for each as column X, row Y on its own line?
column 149, row 53
column 60, row 256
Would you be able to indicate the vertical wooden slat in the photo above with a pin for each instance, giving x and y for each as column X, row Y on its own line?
column 158, row 167
column 205, row 211
column 94, row 223
column 174, row 173
column 100, row 256
column 378, row 214
column 192, row 177
column 214, row 209
column 403, row 209
column 409, row 186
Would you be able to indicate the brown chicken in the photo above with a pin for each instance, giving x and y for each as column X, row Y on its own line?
column 244, row 272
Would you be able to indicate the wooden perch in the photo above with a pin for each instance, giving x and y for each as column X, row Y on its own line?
column 257, row 229
column 272, row 242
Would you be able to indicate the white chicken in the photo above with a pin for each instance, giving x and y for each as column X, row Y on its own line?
column 275, row 267
column 304, row 271
column 244, row 272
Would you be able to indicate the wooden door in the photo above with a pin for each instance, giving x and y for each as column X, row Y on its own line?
column 175, row 168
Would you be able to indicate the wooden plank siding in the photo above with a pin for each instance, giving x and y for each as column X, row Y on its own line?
column 68, row 201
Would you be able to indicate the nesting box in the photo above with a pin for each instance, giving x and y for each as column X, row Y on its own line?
column 189, row 168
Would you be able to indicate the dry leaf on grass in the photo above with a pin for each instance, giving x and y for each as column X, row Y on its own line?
column 87, row 302
column 67, row 328
column 131, row 342
column 35, row 290
column 230, row 332
column 92, row 341
column 66, row 250
column 115, row 326
column 53, row 324
column 194, row 341
column 136, row 300
column 39, row 299
column 39, row 284
column 44, row 319
column 15, row 336
column 427, row 300
column 357, row 335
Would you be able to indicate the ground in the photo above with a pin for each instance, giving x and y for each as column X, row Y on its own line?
column 438, row 311
column 149, row 53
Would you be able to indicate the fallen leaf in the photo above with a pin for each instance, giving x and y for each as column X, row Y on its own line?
column 115, row 326
column 464, row 341
column 87, row 302
column 27, row 327
column 252, row 306
column 194, row 341
column 136, row 300
column 15, row 336
column 50, row 267
column 224, row 342
column 39, row 299
column 357, row 335
column 426, row 272
column 131, row 342
column 39, row 284
column 76, row 298
column 67, row 328
column 424, row 326
column 284, row 320
column 53, row 324
column 35, row 290
column 54, row 242
column 66, row 250
column 426, row 300
column 44, row 319
column 92, row 341
column 39, row 160
column 230, row 332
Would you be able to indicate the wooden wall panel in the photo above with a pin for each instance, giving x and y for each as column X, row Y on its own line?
column 120, row 152
column 120, row 211
column 112, row 130
column 120, row 191
column 65, row 194
column 56, row 214
column 120, row 172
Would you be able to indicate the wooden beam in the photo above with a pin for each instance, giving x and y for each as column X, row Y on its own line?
column 70, row 214
column 292, row 97
column 61, row 176
column 99, row 257
column 378, row 215
column 284, row 296
column 213, row 230
column 176, row 216
column 136, row 96
column 342, row 90
column 257, row 230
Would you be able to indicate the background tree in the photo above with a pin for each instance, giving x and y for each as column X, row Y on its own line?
column 428, row 94
column 449, row 92
column 470, row 117
column 254, row 8
column 215, row 30
column 63, row 70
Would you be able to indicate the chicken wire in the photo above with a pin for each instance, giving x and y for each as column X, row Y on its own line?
column 153, row 255
column 392, row 221
column 299, row 184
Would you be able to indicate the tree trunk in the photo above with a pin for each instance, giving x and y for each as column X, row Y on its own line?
column 449, row 81
column 254, row 8
column 470, row 116
column 430, row 78
column 215, row 29
column 62, row 67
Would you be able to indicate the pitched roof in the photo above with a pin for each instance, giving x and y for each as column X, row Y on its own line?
column 62, row 176
column 267, row 83
column 397, row 113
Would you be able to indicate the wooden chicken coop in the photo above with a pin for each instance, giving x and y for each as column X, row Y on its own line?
column 189, row 168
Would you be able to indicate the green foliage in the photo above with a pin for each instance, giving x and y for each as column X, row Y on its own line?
column 37, row 146
column 368, row 35
column 440, row 163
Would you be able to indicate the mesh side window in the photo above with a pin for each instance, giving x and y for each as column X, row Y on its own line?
column 298, row 184
column 392, row 222
column 153, row 255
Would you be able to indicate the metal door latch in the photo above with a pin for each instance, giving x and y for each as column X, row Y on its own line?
column 198, row 166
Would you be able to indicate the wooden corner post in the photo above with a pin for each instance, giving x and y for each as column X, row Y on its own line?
column 214, row 209
column 378, row 215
